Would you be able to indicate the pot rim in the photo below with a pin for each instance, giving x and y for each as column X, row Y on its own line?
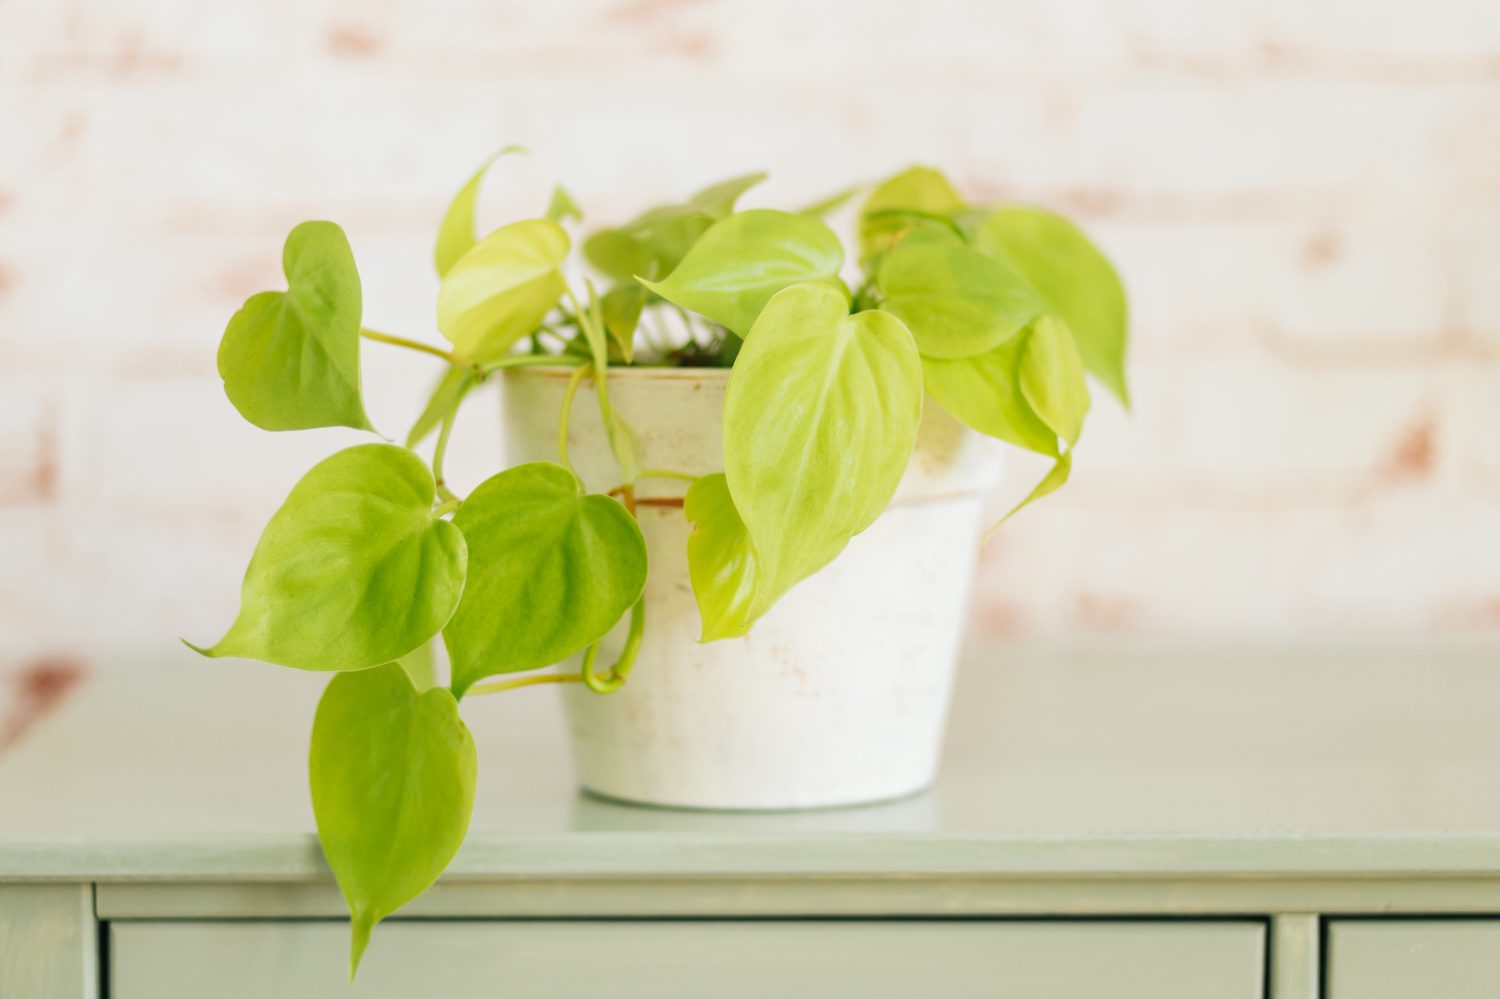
column 628, row 373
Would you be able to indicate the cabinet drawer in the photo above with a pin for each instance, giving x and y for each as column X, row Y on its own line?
column 662, row 959
column 1406, row 958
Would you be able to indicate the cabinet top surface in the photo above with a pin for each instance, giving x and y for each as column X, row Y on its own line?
column 1106, row 758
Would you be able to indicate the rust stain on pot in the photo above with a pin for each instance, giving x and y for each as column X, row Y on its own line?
column 1415, row 452
column 667, row 502
column 40, row 688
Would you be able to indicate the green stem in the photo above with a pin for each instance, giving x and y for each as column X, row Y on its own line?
column 401, row 341
column 441, row 450
column 447, row 507
column 527, row 361
column 661, row 473
column 525, row 681
column 567, row 414
column 612, row 681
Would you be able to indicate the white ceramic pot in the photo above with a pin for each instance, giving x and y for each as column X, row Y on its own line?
column 839, row 694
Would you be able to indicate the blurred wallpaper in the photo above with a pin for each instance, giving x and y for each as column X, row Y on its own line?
column 1303, row 198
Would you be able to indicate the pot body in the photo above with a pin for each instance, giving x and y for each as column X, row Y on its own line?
column 839, row 694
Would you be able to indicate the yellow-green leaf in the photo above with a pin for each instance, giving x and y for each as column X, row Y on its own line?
column 737, row 265
column 1075, row 279
column 392, row 774
column 562, row 206
column 550, row 571
column 290, row 359
column 820, row 417
column 917, row 193
column 957, row 302
column 722, row 563
column 456, row 233
column 353, row 571
column 502, row 289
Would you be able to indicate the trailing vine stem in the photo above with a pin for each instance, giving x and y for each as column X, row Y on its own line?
column 401, row 341
column 524, row 681
column 613, row 680
column 579, row 375
column 441, row 449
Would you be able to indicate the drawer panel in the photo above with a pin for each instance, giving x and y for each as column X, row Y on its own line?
column 1407, row 958
column 662, row 959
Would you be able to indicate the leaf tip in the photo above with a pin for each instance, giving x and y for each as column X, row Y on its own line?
column 359, row 938
column 205, row 652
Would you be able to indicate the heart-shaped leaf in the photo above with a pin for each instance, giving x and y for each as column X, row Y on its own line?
column 717, row 201
column 820, row 417
column 456, row 233
column 392, row 776
column 733, row 270
column 502, row 289
column 1029, row 391
column 957, row 302
column 290, row 359
column 722, row 563
column 621, row 308
column 352, row 571
column 903, row 200
column 561, row 206
column 1077, row 282
column 550, row 571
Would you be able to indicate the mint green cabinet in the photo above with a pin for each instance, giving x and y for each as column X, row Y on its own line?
column 1413, row 958
column 667, row 959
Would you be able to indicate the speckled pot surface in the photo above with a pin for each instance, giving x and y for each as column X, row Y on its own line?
column 839, row 694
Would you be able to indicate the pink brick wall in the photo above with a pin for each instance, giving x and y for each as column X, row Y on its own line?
column 1304, row 198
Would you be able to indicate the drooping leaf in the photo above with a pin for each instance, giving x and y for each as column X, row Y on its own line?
column 957, row 302
column 1076, row 280
column 1052, row 379
column 916, row 193
column 562, row 206
column 1029, row 391
column 820, row 417
column 444, row 397
column 550, row 571
column 736, row 266
column 290, row 359
column 717, row 201
column 722, row 563
column 456, row 233
column 622, row 307
column 824, row 207
column 353, row 571
column 392, row 775
column 622, row 439
column 420, row 666
column 502, row 289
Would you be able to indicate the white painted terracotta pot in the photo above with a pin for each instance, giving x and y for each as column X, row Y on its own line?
column 839, row 694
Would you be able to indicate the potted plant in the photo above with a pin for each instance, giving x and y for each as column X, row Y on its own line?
column 747, row 416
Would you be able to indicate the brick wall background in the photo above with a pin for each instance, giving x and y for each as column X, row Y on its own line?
column 1304, row 198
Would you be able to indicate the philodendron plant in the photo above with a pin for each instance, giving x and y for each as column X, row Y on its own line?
column 995, row 313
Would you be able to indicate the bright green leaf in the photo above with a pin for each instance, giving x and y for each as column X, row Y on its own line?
column 444, row 397
column 420, row 666
column 717, row 201
column 550, row 571
column 456, row 234
column 392, row 776
column 920, row 192
column 984, row 392
column 957, row 302
column 735, row 268
column 1052, row 379
column 502, row 289
column 721, row 561
column 618, row 254
column 352, row 571
column 824, row 207
column 1074, row 278
column 562, row 206
column 621, row 308
column 820, row 418
column 290, row 359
